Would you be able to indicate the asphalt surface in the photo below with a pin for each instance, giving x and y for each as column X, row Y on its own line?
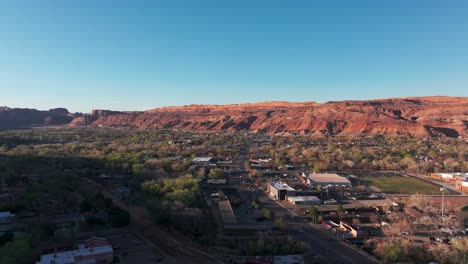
column 324, row 245
column 318, row 239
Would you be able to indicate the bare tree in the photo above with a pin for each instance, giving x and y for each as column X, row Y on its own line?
column 420, row 201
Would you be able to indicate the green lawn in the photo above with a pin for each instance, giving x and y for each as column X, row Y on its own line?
column 402, row 185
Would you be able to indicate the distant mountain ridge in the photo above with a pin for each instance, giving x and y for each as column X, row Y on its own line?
column 415, row 116
column 24, row 117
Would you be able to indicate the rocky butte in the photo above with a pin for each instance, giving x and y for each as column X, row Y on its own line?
column 24, row 117
column 414, row 116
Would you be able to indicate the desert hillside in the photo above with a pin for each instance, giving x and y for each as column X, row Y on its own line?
column 416, row 116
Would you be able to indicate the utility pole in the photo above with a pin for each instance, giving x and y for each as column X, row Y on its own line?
column 442, row 190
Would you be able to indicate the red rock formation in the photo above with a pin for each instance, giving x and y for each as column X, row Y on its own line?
column 418, row 116
column 23, row 117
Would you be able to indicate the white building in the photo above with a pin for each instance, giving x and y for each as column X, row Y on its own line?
column 279, row 190
column 202, row 160
column 95, row 250
column 327, row 179
column 304, row 200
column 448, row 177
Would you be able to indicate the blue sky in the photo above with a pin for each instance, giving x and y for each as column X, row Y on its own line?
column 136, row 55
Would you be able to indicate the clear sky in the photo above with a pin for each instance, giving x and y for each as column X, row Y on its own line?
column 136, row 55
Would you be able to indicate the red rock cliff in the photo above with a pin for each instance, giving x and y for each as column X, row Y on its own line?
column 416, row 116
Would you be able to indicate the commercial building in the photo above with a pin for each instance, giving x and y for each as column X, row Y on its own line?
column 232, row 229
column 327, row 179
column 291, row 259
column 216, row 181
column 304, row 200
column 203, row 160
column 279, row 190
column 227, row 214
column 94, row 250
column 450, row 177
column 462, row 185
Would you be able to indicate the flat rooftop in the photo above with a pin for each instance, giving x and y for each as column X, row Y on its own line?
column 227, row 214
column 202, row 159
column 304, row 198
column 281, row 186
column 69, row 256
column 331, row 178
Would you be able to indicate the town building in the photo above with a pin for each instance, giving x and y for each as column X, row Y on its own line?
column 280, row 190
column 203, row 160
column 462, row 185
column 232, row 229
column 327, row 179
column 94, row 250
column 216, row 181
column 450, row 177
column 290, row 259
column 304, row 200
column 6, row 217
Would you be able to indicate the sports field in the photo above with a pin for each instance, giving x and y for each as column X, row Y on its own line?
column 398, row 184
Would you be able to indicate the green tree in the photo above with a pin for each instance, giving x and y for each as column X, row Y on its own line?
column 6, row 237
column 216, row 174
column 313, row 214
column 17, row 251
column 138, row 169
column 279, row 223
column 118, row 217
column 267, row 213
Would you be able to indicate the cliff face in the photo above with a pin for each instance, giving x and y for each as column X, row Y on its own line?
column 24, row 117
column 419, row 117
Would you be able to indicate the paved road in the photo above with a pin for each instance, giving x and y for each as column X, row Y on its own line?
column 320, row 241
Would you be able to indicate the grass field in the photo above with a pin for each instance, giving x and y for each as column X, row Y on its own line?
column 400, row 184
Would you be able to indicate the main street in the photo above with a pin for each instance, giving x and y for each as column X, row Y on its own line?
column 321, row 242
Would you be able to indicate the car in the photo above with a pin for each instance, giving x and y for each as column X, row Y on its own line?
column 300, row 230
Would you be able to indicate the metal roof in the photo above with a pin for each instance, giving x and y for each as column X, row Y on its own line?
column 281, row 186
column 331, row 178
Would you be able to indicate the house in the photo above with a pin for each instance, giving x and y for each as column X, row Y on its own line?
column 327, row 179
column 94, row 250
column 279, row 190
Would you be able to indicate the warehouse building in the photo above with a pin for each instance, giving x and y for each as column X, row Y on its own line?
column 280, row 190
column 327, row 179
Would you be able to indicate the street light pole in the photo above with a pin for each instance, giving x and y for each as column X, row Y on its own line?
column 442, row 190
